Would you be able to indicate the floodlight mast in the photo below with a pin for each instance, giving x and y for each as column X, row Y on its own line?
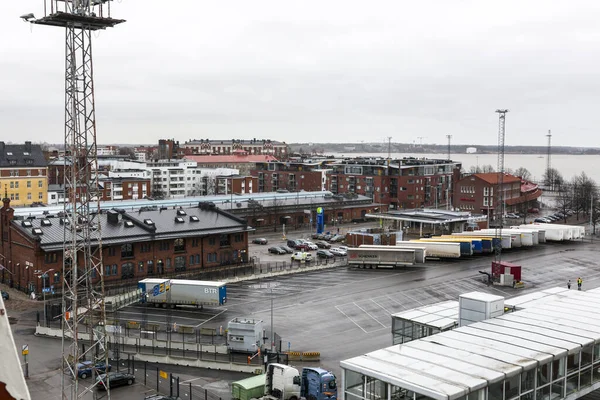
column 83, row 306
column 499, row 210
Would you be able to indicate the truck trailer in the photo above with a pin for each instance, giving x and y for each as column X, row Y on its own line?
column 389, row 257
column 434, row 250
column 179, row 292
column 420, row 252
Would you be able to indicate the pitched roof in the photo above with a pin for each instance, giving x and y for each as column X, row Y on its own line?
column 194, row 222
column 492, row 177
column 21, row 155
column 250, row 158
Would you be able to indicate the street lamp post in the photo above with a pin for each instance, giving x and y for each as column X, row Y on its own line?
column 43, row 277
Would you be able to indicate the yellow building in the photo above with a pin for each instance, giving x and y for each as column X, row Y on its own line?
column 23, row 173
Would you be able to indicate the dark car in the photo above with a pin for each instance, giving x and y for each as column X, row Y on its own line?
column 161, row 397
column 260, row 241
column 115, row 379
column 286, row 248
column 277, row 250
column 337, row 238
column 84, row 369
column 5, row 295
column 323, row 245
column 324, row 254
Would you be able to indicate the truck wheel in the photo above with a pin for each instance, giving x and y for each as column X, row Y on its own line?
column 83, row 375
column 164, row 305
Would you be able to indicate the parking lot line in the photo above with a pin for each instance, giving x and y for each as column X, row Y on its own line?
column 213, row 317
column 369, row 314
column 385, row 309
column 354, row 322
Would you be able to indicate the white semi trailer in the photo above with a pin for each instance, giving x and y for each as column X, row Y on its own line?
column 176, row 292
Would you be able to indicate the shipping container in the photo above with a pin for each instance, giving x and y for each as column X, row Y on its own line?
column 174, row 292
column 249, row 388
column 466, row 246
column 477, row 306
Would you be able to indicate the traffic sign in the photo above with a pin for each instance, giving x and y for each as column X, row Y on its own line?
column 25, row 349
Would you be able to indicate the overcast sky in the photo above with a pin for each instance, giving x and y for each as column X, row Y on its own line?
column 316, row 71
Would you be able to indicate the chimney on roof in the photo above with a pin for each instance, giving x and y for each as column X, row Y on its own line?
column 28, row 146
column 112, row 216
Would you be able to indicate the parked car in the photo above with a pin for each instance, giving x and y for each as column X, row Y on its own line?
column 324, row 254
column 323, row 245
column 337, row 238
column 302, row 256
column 311, row 246
column 84, row 369
column 5, row 295
column 533, row 210
column 161, row 397
column 277, row 250
column 543, row 220
column 260, row 241
column 297, row 244
column 345, row 248
column 286, row 248
column 512, row 216
column 115, row 379
column 315, row 236
column 336, row 251
column 327, row 236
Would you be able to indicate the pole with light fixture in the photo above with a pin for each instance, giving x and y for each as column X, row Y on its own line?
column 43, row 277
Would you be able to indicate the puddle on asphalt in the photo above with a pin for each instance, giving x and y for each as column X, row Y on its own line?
column 265, row 285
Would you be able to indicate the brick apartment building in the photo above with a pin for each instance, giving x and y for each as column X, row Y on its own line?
column 135, row 245
column 400, row 184
column 478, row 193
column 112, row 188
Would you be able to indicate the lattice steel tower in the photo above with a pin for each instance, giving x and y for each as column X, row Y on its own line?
column 83, row 305
column 548, row 161
column 499, row 209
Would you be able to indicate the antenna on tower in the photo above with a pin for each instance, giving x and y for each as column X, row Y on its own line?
column 449, row 137
column 83, row 305
column 499, row 209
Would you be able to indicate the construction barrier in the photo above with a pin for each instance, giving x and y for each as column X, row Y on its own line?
column 303, row 356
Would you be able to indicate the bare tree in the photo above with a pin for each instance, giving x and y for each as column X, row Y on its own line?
column 487, row 168
column 523, row 173
column 564, row 200
column 584, row 189
column 127, row 151
column 553, row 179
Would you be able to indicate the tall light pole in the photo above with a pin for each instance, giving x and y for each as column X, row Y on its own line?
column 272, row 331
column 43, row 277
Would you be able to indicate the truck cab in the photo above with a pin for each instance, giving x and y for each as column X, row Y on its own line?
column 282, row 382
column 318, row 384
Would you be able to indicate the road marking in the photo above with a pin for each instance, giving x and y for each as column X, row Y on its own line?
column 385, row 309
column 369, row 314
column 412, row 298
column 395, row 301
column 215, row 316
column 354, row 322
column 190, row 380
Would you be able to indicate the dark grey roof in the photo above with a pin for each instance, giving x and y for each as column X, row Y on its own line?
column 230, row 141
column 210, row 221
column 21, row 155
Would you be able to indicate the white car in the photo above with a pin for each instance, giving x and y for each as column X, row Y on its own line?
column 311, row 245
column 338, row 252
column 345, row 248
column 301, row 256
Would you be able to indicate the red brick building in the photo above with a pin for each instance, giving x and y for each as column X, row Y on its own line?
column 135, row 245
column 401, row 184
column 124, row 188
column 479, row 193
column 236, row 184
column 228, row 147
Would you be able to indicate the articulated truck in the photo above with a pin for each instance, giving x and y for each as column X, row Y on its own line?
column 180, row 292
column 283, row 382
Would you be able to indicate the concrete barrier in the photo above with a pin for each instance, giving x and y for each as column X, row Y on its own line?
column 216, row 365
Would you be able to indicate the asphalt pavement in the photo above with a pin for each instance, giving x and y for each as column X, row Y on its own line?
column 341, row 312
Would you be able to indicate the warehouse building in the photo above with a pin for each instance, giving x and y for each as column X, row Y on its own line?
column 135, row 244
column 546, row 347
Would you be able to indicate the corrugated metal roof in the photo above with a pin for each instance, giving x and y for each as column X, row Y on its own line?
column 210, row 221
column 444, row 365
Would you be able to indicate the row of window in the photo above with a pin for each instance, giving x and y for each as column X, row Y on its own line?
column 15, row 184
column 466, row 207
column 15, row 172
column 15, row 196
column 467, row 189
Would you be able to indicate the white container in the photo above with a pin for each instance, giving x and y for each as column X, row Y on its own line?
column 477, row 306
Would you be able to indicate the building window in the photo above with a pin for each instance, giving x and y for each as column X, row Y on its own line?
column 57, row 277
column 167, row 263
column 179, row 245
column 141, row 266
column 115, row 269
column 40, row 196
column 211, row 257
column 211, row 241
column 111, row 251
column 107, row 270
column 50, row 258
column 12, row 185
column 28, row 196
column 486, row 191
column 127, row 250
column 145, row 247
column 195, row 242
column 192, row 259
column 224, row 240
column 17, row 185
column 17, row 195
column 150, row 264
column 28, row 184
column 197, row 258
column 179, row 263
column 127, row 270
column 239, row 237
column 163, row 246
column 485, row 202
